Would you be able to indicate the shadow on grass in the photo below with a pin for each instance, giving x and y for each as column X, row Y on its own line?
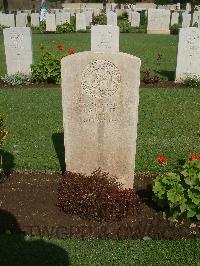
column 15, row 249
column 170, row 75
column 7, row 164
column 58, row 142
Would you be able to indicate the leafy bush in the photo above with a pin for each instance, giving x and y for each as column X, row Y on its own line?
column 192, row 81
column 124, row 25
column 97, row 197
column 42, row 26
column 48, row 69
column 179, row 192
column 3, row 134
column 17, row 79
column 174, row 29
column 65, row 28
column 99, row 20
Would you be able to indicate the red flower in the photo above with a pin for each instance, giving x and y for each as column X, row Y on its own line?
column 70, row 51
column 60, row 47
column 161, row 159
column 194, row 157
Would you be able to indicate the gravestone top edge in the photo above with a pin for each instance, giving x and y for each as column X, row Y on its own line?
column 71, row 57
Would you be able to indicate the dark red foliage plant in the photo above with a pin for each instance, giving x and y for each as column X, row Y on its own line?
column 96, row 197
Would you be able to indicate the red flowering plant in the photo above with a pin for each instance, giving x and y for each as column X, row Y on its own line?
column 178, row 192
column 60, row 47
column 97, row 197
column 70, row 51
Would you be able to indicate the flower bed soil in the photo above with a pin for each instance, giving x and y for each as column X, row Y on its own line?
column 162, row 84
column 28, row 205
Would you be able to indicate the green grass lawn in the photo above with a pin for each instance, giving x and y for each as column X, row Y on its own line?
column 169, row 125
column 144, row 46
column 29, row 251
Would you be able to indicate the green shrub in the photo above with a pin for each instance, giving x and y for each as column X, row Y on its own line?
column 17, row 79
column 48, row 69
column 124, row 25
column 192, row 81
column 174, row 29
column 99, row 20
column 65, row 28
column 42, row 27
column 179, row 192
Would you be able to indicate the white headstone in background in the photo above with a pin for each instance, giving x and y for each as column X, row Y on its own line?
column 188, row 7
column 112, row 18
column 196, row 18
column 8, row 20
column 178, row 6
column 62, row 17
column 105, row 38
column 21, row 20
column 50, row 22
column 80, row 21
column 135, row 19
column 186, row 19
column 35, row 19
column 88, row 17
column 18, row 50
column 100, row 97
column 188, row 59
column 97, row 11
column 174, row 18
column 158, row 21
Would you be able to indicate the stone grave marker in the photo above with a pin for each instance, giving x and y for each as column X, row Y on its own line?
column 88, row 17
column 111, row 18
column 174, row 18
column 188, row 58
column 80, row 21
column 135, row 19
column 35, row 19
column 100, row 97
column 21, row 20
column 8, row 20
column 50, row 22
column 62, row 17
column 105, row 38
column 18, row 50
column 186, row 19
column 158, row 21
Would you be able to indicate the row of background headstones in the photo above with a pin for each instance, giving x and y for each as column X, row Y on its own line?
column 158, row 19
column 18, row 48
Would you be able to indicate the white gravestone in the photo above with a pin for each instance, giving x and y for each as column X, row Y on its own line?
column 8, row 20
column 188, row 7
column 178, row 6
column 62, row 17
column 135, row 19
column 158, row 21
column 196, row 18
column 35, row 19
column 188, row 59
column 88, row 17
column 80, row 21
column 21, row 20
column 18, row 50
column 186, row 19
column 100, row 97
column 112, row 18
column 174, row 18
column 105, row 38
column 50, row 22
